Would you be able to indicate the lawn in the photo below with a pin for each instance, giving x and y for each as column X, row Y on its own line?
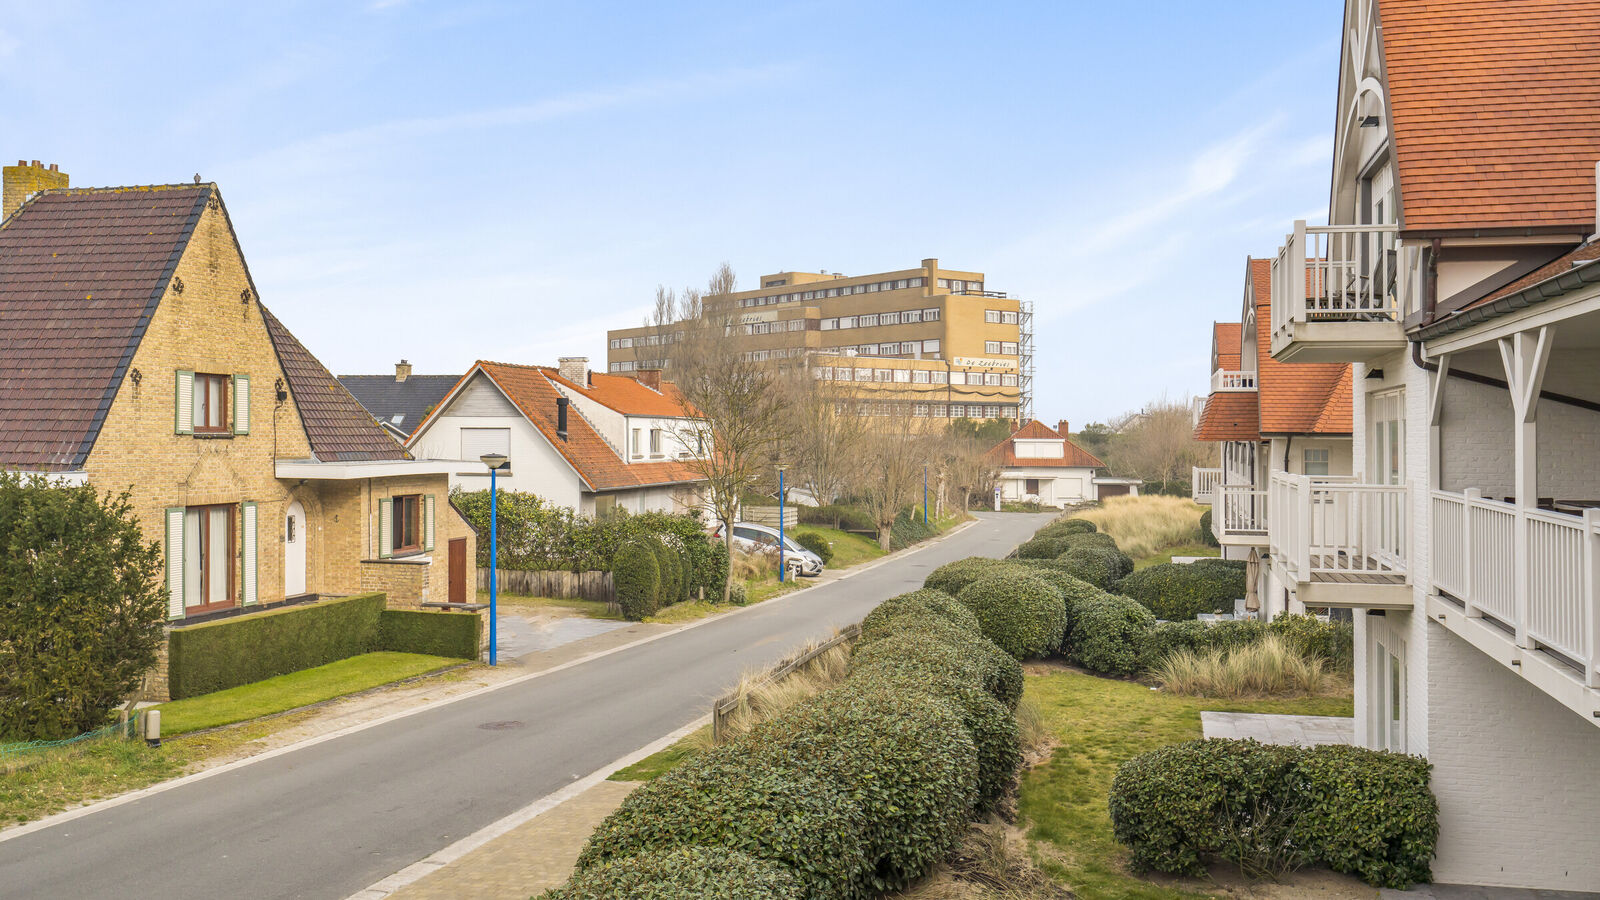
column 1098, row 723
column 1165, row 556
column 663, row 761
column 848, row 549
column 303, row 688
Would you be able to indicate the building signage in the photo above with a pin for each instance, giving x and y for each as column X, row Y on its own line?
column 982, row 362
column 752, row 318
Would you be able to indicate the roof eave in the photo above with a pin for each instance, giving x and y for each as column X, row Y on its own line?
column 1552, row 288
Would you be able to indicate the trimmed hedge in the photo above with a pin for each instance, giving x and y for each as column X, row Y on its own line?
column 1064, row 527
column 227, row 653
column 636, row 577
column 1022, row 613
column 1109, row 635
column 1074, row 590
column 1178, row 591
column 670, row 568
column 1099, row 566
column 434, row 632
column 1198, row 637
column 683, row 873
column 1271, row 808
column 735, row 798
column 995, row 670
column 1333, row 641
column 1043, row 547
column 882, row 621
column 1097, row 539
column 953, row 576
column 1207, row 536
column 816, row 543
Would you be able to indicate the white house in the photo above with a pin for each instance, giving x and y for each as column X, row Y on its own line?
column 1039, row 465
column 588, row 441
column 1457, row 275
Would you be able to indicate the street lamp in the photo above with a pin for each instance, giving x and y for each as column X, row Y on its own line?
column 781, row 573
column 924, row 494
column 497, row 462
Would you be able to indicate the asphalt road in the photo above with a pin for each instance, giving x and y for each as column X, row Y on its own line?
column 330, row 819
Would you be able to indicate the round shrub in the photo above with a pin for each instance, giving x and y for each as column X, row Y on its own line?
column 1021, row 613
column 904, row 757
column 671, row 569
column 636, row 576
column 1097, row 539
column 1176, row 591
column 1367, row 813
column 1098, row 566
column 953, row 576
column 816, row 543
column 1065, row 527
column 734, row 798
column 881, row 621
column 1310, row 636
column 1109, row 634
column 1042, row 547
column 1207, row 536
column 997, row 671
column 1073, row 590
column 683, row 873
column 715, row 573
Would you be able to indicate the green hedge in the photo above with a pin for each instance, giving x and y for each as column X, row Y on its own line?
column 1099, row 566
column 1097, row 539
column 816, row 543
column 1179, row 591
column 1064, row 527
column 636, row 577
column 953, row 576
column 1271, row 808
column 434, row 632
column 1109, row 635
column 984, row 663
column 908, row 529
column 230, row 652
column 1333, row 641
column 842, row 518
column 1018, row 610
column 881, row 622
column 1207, row 536
column 684, row 873
column 1043, row 547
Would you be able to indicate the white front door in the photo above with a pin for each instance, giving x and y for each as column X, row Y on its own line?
column 1388, row 693
column 294, row 550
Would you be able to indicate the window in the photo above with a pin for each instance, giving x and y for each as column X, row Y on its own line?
column 847, row 322
column 911, row 317
column 920, row 376
column 957, row 411
column 1031, row 486
column 866, row 321
column 1316, row 462
column 991, row 346
column 941, row 377
column 655, row 442
column 867, row 350
column 992, row 379
column 797, row 324
column 958, row 378
column 207, row 557
column 930, row 346
column 210, row 403
column 991, row 316
column 920, row 410
column 901, row 285
column 944, row 282
column 823, row 373
column 1009, row 348
column 633, row 447
column 930, row 315
column 776, row 282
column 407, row 524
column 830, row 324
column 889, row 318
column 863, row 374
column 1008, row 380
column 626, row 343
column 883, row 376
column 902, row 376
column 1009, row 317
column 940, row 411
column 615, row 344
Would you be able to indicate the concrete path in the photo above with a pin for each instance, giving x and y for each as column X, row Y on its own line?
column 328, row 819
column 1474, row 892
column 1305, row 731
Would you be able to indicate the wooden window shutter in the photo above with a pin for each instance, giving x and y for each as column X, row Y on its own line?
column 241, row 404
column 248, row 517
column 385, row 528
column 183, row 392
column 427, row 522
column 174, row 539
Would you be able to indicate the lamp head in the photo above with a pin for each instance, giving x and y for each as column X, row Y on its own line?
column 497, row 462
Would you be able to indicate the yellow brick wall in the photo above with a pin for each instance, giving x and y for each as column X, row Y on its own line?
column 23, row 179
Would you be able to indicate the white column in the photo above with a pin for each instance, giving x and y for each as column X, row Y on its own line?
column 1525, row 356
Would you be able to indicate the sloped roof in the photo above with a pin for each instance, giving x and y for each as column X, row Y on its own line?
column 81, row 272
column 1495, row 111
column 1230, row 416
column 339, row 429
column 1225, row 340
column 1295, row 398
column 1004, row 454
column 626, row 395
column 597, row 464
column 398, row 404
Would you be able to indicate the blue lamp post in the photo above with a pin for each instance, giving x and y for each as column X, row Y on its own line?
column 924, row 495
column 782, row 574
column 497, row 462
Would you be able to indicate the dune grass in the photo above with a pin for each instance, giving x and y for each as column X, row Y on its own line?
column 1266, row 668
column 1145, row 526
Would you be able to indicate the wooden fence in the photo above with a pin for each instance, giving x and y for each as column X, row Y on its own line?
column 561, row 585
column 724, row 708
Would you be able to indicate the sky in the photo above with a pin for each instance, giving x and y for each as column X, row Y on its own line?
column 446, row 182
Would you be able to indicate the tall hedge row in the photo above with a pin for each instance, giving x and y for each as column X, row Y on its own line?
column 1177, row 591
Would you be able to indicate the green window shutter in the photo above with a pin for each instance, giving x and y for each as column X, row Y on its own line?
column 385, row 528
column 174, row 540
column 249, row 519
column 241, row 404
column 427, row 522
column 183, row 392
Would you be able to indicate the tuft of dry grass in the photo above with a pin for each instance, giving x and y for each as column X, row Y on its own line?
column 754, row 566
column 1144, row 526
column 991, row 863
column 1266, row 668
column 760, row 698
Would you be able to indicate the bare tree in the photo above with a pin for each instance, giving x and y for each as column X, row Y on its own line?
column 825, row 434
column 1159, row 445
column 888, row 472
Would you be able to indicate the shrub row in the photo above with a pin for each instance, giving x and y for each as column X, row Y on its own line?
column 1178, row 591
column 652, row 571
column 435, row 632
column 1270, row 808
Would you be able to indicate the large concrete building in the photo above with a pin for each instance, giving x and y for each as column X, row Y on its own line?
column 933, row 337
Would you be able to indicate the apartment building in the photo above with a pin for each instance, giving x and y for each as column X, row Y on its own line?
column 1456, row 273
column 932, row 337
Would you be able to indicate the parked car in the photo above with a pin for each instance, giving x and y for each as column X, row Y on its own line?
column 753, row 538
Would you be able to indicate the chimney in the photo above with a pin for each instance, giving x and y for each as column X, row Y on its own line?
column 402, row 370
column 25, row 179
column 574, row 369
column 561, row 416
column 650, row 378
column 1062, row 429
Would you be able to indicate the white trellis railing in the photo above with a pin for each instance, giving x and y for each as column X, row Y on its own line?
column 1202, row 484
column 1335, row 527
column 1241, row 511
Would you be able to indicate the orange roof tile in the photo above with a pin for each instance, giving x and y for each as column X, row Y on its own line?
column 1230, row 416
column 626, row 395
column 1495, row 111
column 1295, row 398
column 1225, row 344
column 1004, row 453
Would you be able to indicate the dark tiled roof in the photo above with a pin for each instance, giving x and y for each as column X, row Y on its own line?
column 400, row 405
column 81, row 272
column 338, row 428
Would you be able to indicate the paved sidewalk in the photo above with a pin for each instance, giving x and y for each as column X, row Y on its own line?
column 1473, row 892
column 1304, row 731
column 526, row 860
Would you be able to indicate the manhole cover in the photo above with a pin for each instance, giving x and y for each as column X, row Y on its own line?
column 501, row 726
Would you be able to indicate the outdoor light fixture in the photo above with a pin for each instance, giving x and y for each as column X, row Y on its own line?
column 497, row 462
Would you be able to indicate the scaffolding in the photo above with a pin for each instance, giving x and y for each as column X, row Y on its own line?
column 1025, row 361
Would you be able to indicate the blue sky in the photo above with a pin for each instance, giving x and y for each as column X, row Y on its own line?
column 453, row 181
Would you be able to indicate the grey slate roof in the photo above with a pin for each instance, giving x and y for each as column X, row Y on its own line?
column 399, row 405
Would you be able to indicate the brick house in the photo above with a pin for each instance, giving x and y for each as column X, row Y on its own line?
column 135, row 353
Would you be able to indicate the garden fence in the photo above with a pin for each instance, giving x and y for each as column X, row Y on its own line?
column 558, row 585
column 724, row 708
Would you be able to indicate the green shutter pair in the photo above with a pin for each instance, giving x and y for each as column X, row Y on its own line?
column 249, row 516
column 386, row 526
column 183, row 403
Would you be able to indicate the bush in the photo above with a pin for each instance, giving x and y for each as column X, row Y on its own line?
column 882, row 621
column 1333, row 642
column 434, row 632
column 842, row 518
column 1198, row 637
column 1098, row 566
column 953, row 576
column 1272, row 808
column 1207, row 536
column 997, row 671
column 1109, row 635
column 735, row 798
column 81, row 607
column 670, row 568
column 1064, row 527
column 1020, row 612
column 636, row 577
column 738, row 594
column 230, row 652
column 816, row 543
column 1043, row 547
column 1176, row 591
column 1074, row 590
column 908, row 529
column 1096, row 539
column 905, row 757
column 683, row 873
column 714, row 574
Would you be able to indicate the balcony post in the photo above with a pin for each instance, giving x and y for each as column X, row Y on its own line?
column 1525, row 356
column 1302, row 515
column 1297, row 273
column 1472, row 495
column 1590, row 596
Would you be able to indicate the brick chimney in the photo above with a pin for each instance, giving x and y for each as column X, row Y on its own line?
column 650, row 378
column 574, row 369
column 402, row 370
column 1062, row 429
column 25, row 179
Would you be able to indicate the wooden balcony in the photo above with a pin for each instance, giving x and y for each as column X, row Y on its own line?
column 1337, row 293
column 1222, row 380
column 1239, row 515
column 1341, row 544
column 1203, row 484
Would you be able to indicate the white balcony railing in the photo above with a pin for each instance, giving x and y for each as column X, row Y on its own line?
column 1340, row 273
column 1240, row 511
column 1222, row 380
column 1532, row 570
column 1332, row 529
column 1203, row 483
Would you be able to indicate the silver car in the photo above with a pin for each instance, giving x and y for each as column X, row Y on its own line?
column 751, row 537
